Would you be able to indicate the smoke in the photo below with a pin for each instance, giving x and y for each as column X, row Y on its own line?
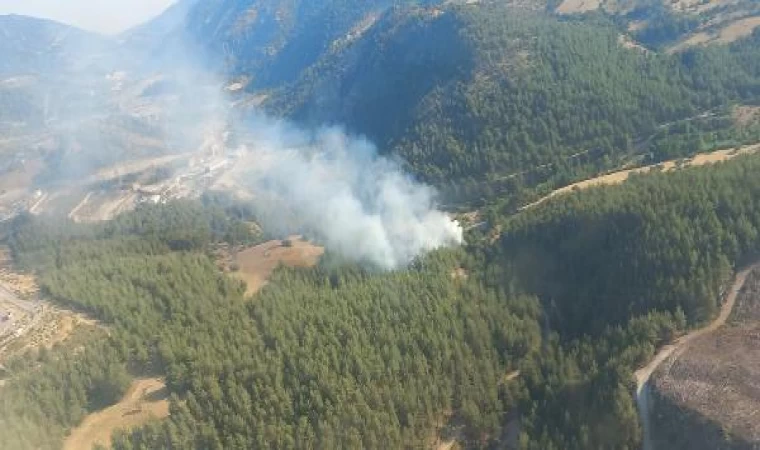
column 360, row 204
column 152, row 92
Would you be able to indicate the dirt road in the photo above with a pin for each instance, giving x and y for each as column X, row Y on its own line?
column 667, row 166
column 644, row 374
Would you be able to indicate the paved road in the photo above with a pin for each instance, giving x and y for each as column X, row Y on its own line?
column 644, row 374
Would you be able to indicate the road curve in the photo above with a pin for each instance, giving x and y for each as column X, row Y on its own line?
column 644, row 374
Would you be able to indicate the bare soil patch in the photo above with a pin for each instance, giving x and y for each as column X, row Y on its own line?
column 145, row 401
column 578, row 6
column 693, row 40
column 738, row 29
column 745, row 115
column 21, row 177
column 26, row 323
column 627, row 42
column 256, row 264
column 101, row 206
column 729, row 30
column 698, row 6
column 714, row 373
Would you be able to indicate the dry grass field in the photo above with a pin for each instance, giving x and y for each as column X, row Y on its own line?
column 256, row 264
column 146, row 400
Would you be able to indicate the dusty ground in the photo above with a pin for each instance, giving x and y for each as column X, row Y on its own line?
column 724, row 33
column 256, row 264
column 718, row 375
column 61, row 202
column 745, row 115
column 32, row 324
column 627, row 42
column 624, row 6
column 621, row 176
column 146, row 400
column 100, row 206
column 21, row 177
column 738, row 29
column 578, row 6
column 134, row 167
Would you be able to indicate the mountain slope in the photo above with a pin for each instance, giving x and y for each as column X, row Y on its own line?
column 31, row 45
column 273, row 41
column 491, row 90
column 675, row 24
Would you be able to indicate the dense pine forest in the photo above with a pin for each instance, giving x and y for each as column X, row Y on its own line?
column 505, row 99
column 575, row 294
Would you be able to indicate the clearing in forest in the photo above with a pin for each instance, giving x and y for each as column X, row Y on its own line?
column 256, row 264
column 578, row 6
column 728, row 33
column 745, row 115
column 146, row 400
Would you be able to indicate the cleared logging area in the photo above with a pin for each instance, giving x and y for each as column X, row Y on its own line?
column 709, row 395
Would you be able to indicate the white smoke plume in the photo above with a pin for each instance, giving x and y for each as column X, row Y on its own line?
column 156, row 84
column 360, row 204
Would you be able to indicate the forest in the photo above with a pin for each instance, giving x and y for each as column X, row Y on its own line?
column 505, row 101
column 575, row 294
column 535, row 325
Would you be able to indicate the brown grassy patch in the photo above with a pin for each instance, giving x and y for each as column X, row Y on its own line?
column 730, row 31
column 102, row 206
column 146, row 400
column 21, row 177
column 256, row 264
column 746, row 115
column 698, row 6
column 578, row 6
column 738, row 30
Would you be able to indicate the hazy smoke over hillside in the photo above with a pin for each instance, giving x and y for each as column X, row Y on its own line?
column 337, row 188
column 362, row 205
column 322, row 182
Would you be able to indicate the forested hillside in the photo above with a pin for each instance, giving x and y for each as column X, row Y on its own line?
column 490, row 98
column 271, row 43
column 666, row 242
column 527, row 335
column 619, row 269
column 576, row 293
column 332, row 358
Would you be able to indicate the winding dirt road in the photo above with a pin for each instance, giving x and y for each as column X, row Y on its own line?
column 644, row 374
